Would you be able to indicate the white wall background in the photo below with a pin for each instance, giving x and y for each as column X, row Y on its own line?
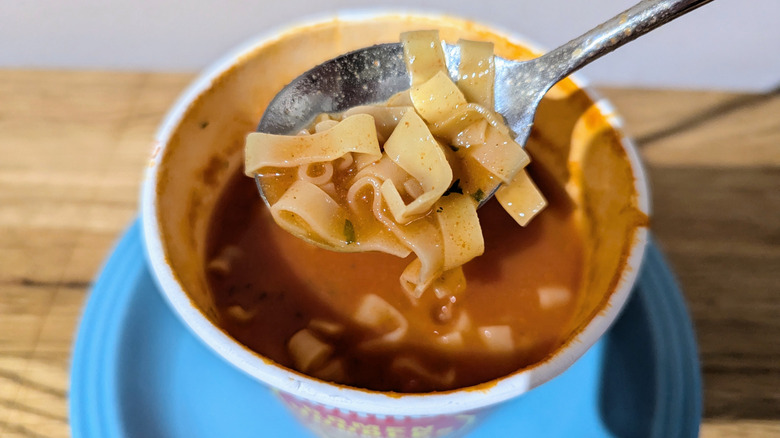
column 728, row 44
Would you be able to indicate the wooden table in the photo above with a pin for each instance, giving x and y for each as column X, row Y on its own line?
column 73, row 146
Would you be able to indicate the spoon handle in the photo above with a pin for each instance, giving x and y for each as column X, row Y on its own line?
column 613, row 33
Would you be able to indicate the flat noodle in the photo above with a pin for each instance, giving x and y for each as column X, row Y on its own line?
column 222, row 264
column 463, row 323
column 500, row 155
column 410, row 279
column 384, row 239
column 451, row 341
column 465, row 116
column 521, row 198
column 413, row 187
column 326, row 327
column 385, row 170
column 420, row 236
column 346, row 193
column 425, row 240
column 437, row 98
column 305, row 210
column 385, row 117
column 355, row 134
column 413, row 148
column 414, row 280
column 325, row 125
column 423, row 54
column 472, row 135
column 553, row 296
column 322, row 118
column 455, row 337
column 377, row 314
column 460, row 230
column 476, row 72
column 240, row 314
column 498, row 338
column 451, row 283
column 401, row 98
column 308, row 352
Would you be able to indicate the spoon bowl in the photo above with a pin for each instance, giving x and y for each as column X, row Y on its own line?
column 374, row 74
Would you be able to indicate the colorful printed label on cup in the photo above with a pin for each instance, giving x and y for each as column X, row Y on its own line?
column 338, row 423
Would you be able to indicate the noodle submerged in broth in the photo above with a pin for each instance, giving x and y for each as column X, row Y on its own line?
column 399, row 183
column 269, row 286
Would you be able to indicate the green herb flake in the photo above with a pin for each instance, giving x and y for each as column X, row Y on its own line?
column 454, row 188
column 479, row 195
column 439, row 210
column 349, row 232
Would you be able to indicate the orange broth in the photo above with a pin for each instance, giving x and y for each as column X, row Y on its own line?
column 283, row 282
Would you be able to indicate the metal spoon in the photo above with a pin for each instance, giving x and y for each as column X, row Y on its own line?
column 374, row 74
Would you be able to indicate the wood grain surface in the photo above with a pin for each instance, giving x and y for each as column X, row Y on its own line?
column 73, row 146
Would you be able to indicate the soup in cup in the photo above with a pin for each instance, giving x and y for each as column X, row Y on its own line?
column 535, row 301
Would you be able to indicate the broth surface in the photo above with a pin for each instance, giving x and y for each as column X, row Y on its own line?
column 275, row 284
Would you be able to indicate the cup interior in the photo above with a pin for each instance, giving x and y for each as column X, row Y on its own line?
column 576, row 137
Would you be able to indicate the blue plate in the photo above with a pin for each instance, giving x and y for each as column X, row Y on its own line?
column 138, row 372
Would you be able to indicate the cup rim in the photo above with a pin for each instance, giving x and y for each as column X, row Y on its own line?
column 351, row 398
